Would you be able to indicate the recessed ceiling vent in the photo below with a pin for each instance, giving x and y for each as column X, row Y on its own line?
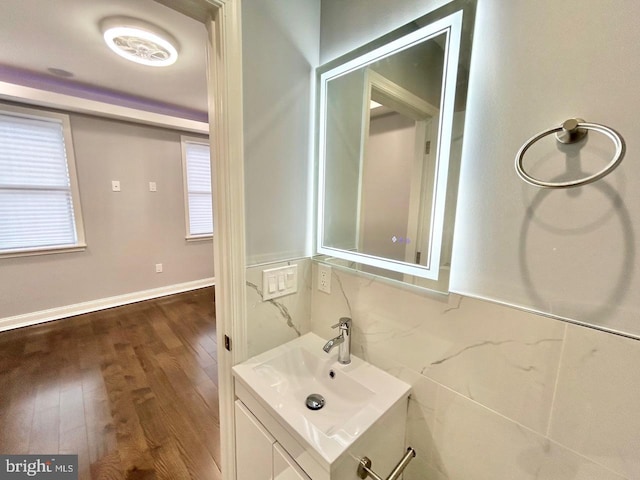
column 139, row 41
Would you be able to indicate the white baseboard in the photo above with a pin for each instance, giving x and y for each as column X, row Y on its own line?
column 57, row 313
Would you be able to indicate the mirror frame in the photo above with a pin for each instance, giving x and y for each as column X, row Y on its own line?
column 451, row 26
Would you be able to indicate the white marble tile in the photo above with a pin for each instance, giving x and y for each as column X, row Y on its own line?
column 472, row 442
column 420, row 428
column 597, row 406
column 273, row 322
column 422, row 402
column 503, row 358
column 423, row 389
column 419, row 469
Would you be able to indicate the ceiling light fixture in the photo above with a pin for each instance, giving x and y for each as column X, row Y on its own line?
column 139, row 41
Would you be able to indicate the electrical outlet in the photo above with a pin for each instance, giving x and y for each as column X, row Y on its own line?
column 153, row 187
column 115, row 185
column 324, row 278
column 158, row 268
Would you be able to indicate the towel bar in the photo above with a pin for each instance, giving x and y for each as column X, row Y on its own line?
column 364, row 467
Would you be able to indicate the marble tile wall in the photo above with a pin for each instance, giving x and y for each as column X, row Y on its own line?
column 273, row 322
column 498, row 393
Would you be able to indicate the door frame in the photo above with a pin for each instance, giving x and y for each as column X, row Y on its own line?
column 224, row 80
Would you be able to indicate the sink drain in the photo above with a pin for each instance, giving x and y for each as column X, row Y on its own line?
column 315, row 401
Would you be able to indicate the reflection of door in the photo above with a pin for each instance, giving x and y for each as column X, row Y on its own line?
column 386, row 185
column 421, row 200
column 396, row 172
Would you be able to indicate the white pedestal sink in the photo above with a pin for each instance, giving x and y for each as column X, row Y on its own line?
column 364, row 412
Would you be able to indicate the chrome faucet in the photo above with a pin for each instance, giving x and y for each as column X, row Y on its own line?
column 343, row 340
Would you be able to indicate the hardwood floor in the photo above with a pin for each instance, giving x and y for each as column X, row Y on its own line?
column 131, row 390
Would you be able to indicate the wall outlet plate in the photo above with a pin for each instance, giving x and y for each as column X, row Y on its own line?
column 324, row 278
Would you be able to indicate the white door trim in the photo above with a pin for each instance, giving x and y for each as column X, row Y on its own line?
column 225, row 122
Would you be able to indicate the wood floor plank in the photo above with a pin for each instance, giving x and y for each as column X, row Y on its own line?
column 107, row 467
column 166, row 335
column 189, row 441
column 16, row 428
column 134, row 451
column 202, row 419
column 74, row 442
column 44, row 437
column 71, row 408
column 18, row 417
column 167, row 460
column 101, row 434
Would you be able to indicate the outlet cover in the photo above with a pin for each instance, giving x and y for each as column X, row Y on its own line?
column 158, row 268
column 324, row 278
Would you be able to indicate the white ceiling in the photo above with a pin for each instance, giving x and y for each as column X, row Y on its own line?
column 39, row 34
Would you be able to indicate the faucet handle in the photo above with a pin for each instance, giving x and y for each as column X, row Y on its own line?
column 343, row 322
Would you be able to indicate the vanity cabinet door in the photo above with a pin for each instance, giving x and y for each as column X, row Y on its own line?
column 254, row 447
column 284, row 467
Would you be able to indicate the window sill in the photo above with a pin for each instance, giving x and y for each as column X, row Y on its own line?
column 199, row 238
column 42, row 251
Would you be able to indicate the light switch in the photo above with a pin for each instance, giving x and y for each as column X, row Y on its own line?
column 115, row 185
column 280, row 281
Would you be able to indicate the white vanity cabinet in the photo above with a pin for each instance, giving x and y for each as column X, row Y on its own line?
column 279, row 438
column 258, row 455
column 284, row 467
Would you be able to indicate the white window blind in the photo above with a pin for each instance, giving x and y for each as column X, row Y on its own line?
column 36, row 195
column 198, row 188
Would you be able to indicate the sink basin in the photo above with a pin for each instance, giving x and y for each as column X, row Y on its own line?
column 297, row 372
column 356, row 395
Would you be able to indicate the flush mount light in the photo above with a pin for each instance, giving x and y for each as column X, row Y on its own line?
column 139, row 41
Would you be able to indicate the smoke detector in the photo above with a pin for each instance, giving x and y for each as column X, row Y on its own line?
column 139, row 41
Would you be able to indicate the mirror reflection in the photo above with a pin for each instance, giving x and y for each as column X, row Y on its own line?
column 400, row 140
column 386, row 121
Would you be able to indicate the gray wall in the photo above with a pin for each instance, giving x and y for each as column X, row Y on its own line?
column 568, row 253
column 127, row 232
column 348, row 25
column 280, row 53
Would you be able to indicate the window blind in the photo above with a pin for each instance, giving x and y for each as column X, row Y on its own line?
column 199, row 188
column 36, row 204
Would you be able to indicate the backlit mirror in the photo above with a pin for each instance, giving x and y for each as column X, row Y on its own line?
column 387, row 131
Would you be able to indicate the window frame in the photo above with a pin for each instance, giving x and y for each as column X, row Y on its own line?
column 67, row 138
column 184, row 140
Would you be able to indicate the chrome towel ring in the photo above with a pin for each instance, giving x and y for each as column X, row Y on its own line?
column 572, row 131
